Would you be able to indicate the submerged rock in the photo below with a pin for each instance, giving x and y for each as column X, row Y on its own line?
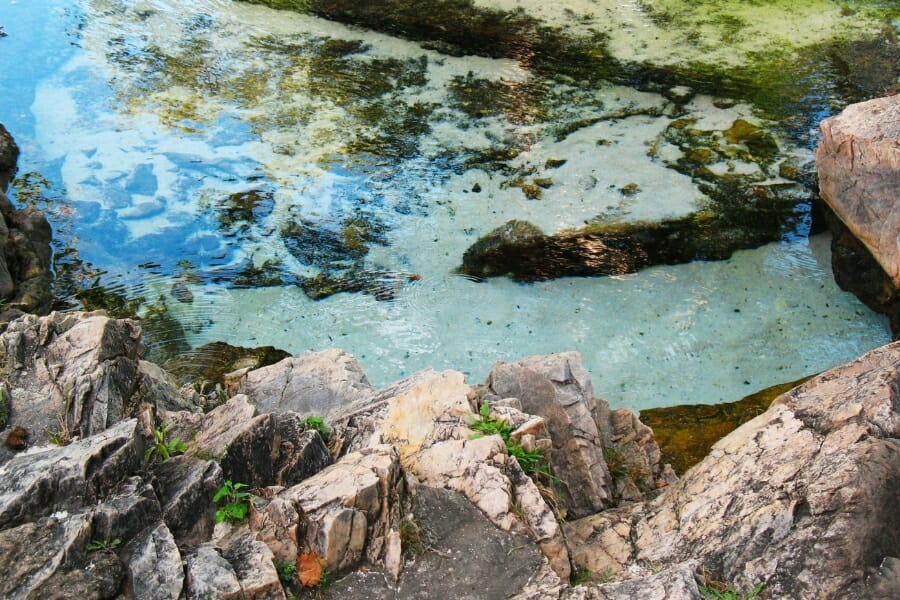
column 686, row 433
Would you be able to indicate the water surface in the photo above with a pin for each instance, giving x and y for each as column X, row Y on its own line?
column 230, row 154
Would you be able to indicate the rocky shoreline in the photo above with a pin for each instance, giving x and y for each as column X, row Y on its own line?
column 299, row 479
column 406, row 492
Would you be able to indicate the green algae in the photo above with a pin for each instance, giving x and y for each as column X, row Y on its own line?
column 686, row 433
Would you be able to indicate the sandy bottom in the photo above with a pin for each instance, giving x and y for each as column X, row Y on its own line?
column 695, row 333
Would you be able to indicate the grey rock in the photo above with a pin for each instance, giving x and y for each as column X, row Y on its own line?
column 160, row 389
column 9, row 155
column 154, row 565
column 210, row 575
column 313, row 383
column 37, row 484
column 455, row 552
column 275, row 449
column 253, row 564
column 186, row 486
column 73, row 374
column 32, row 553
column 558, row 388
column 100, row 577
column 129, row 509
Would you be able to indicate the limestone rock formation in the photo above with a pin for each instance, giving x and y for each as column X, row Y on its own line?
column 426, row 417
column 586, row 435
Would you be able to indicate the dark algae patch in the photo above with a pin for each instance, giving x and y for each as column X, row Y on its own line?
column 686, row 433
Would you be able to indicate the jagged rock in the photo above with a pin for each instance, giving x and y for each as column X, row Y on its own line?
column 25, row 235
column 558, row 388
column 9, row 155
column 210, row 575
column 859, row 175
column 71, row 374
column 802, row 499
column 100, row 577
column 258, row 450
column 313, row 383
column 456, row 553
column 275, row 449
column 31, row 554
column 129, row 509
column 161, row 390
column 154, row 565
column 426, row 417
column 253, row 564
column 37, row 484
column 186, row 486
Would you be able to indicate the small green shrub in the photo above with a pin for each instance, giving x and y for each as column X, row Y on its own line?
column 287, row 571
column 532, row 462
column 236, row 503
column 162, row 447
column 317, row 423
column 103, row 545
column 728, row 593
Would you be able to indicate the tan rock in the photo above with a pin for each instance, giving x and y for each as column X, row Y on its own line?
column 349, row 508
column 313, row 383
column 859, row 175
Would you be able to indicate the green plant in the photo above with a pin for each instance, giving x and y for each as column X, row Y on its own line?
column 726, row 592
column 582, row 576
column 103, row 545
column 162, row 447
column 287, row 571
column 236, row 503
column 411, row 540
column 317, row 423
column 615, row 462
column 531, row 461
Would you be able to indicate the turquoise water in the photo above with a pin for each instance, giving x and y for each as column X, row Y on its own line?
column 240, row 152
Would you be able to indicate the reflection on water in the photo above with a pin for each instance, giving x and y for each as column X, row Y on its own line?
column 259, row 177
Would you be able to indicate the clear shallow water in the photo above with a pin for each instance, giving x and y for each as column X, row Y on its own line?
column 177, row 141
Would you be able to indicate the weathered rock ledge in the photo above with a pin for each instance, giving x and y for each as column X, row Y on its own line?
column 429, row 487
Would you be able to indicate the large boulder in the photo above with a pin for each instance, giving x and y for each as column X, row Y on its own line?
column 801, row 500
column 859, row 175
